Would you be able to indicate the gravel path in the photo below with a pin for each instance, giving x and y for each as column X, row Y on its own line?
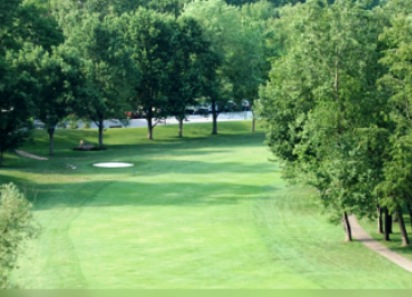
column 361, row 235
column 28, row 155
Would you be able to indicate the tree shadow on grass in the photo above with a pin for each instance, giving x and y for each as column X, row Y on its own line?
column 64, row 147
column 148, row 167
column 115, row 193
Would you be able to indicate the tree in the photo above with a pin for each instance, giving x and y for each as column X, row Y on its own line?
column 221, row 24
column 395, row 189
column 322, row 108
column 148, row 39
column 16, row 104
column 253, row 53
column 240, row 37
column 103, row 94
column 16, row 225
column 60, row 78
column 186, row 68
column 25, row 30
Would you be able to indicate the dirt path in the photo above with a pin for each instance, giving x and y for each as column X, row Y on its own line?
column 361, row 235
column 28, row 155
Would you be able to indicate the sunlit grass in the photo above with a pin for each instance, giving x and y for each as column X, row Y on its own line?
column 200, row 212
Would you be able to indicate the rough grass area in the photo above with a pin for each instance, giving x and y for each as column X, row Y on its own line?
column 200, row 212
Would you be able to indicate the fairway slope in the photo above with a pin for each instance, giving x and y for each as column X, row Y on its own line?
column 200, row 212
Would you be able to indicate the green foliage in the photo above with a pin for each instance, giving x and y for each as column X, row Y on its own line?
column 396, row 84
column 148, row 40
column 87, row 124
column 187, row 67
column 16, row 225
column 16, row 93
column 221, row 26
column 325, row 117
column 102, row 93
column 58, row 73
column 73, row 121
column 27, row 33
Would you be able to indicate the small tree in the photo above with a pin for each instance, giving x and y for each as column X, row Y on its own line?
column 16, row 225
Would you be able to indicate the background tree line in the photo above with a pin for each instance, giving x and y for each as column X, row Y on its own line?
column 98, row 58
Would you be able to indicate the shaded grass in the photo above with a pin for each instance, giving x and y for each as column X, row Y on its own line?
column 200, row 212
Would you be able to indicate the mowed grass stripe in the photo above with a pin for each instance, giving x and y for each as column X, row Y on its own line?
column 200, row 212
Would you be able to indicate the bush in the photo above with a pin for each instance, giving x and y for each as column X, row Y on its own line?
column 62, row 124
column 87, row 123
column 16, row 225
column 73, row 122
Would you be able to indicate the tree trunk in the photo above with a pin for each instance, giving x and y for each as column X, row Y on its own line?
column 410, row 212
column 214, row 115
column 180, row 128
column 387, row 222
column 100, row 133
column 346, row 225
column 390, row 220
column 149, row 118
column 380, row 229
column 405, row 239
column 51, row 141
column 253, row 122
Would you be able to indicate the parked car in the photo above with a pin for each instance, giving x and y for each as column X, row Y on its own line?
column 201, row 111
column 137, row 114
column 230, row 106
column 189, row 111
column 245, row 105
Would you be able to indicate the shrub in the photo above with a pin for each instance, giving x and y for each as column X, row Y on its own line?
column 73, row 122
column 16, row 225
column 87, row 123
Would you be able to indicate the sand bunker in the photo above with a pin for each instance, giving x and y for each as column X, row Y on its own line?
column 113, row 164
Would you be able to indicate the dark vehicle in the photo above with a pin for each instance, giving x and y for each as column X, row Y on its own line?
column 245, row 105
column 189, row 111
column 230, row 106
column 201, row 111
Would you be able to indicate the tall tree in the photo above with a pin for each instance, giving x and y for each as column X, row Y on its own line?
column 222, row 27
column 253, row 53
column 60, row 78
column 25, row 30
column 186, row 68
column 16, row 103
column 395, row 189
column 103, row 93
column 322, row 107
column 148, row 37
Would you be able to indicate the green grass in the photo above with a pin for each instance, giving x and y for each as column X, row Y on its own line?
column 200, row 212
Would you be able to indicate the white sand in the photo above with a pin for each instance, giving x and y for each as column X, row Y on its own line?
column 113, row 164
